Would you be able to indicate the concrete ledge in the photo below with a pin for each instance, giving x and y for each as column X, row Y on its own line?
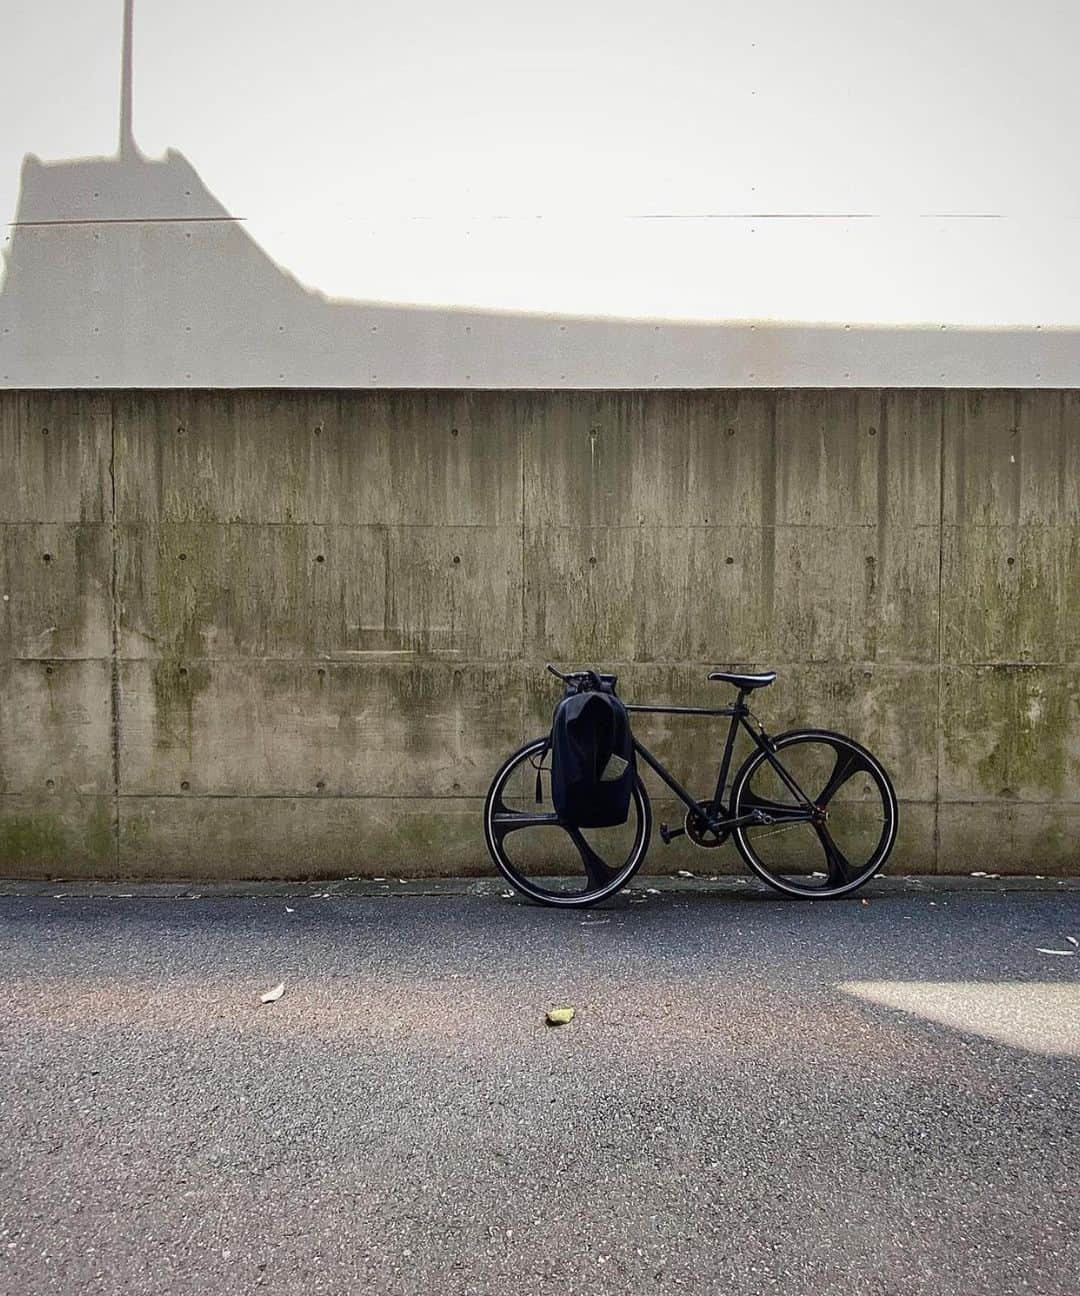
column 494, row 887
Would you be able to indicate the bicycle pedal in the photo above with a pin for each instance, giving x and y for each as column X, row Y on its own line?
column 668, row 835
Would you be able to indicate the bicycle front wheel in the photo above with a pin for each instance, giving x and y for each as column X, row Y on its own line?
column 853, row 828
column 547, row 860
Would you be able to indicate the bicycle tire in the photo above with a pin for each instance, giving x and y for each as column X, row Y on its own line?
column 852, row 759
column 495, row 834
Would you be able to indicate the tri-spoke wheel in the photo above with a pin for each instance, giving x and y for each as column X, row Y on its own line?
column 546, row 859
column 835, row 840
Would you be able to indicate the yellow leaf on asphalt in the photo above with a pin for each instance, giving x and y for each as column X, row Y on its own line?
column 560, row 1016
column 272, row 996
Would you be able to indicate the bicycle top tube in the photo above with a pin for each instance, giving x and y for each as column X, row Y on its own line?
column 733, row 710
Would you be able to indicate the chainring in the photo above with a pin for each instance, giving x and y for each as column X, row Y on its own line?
column 701, row 835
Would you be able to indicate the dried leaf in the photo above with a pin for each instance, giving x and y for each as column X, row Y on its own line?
column 651, row 891
column 288, row 910
column 272, row 996
column 685, row 873
column 1064, row 953
column 1072, row 940
column 559, row 1016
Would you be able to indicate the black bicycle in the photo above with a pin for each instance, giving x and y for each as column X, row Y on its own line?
column 813, row 813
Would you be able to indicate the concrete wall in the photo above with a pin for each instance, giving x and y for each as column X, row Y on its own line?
column 293, row 633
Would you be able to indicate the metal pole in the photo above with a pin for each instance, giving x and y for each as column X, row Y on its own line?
column 127, row 137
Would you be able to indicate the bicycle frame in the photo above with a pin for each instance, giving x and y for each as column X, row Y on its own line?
column 717, row 818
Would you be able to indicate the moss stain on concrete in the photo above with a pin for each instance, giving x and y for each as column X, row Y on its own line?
column 57, row 840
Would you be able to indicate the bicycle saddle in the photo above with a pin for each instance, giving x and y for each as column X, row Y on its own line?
column 745, row 682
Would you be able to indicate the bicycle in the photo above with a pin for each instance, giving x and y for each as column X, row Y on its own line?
column 784, row 835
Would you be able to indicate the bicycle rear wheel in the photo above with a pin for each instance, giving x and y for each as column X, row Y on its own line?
column 850, row 837
column 547, row 860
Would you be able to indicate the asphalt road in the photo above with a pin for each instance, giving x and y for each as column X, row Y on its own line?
column 755, row 1095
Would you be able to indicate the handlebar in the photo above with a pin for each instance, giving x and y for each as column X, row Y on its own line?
column 575, row 677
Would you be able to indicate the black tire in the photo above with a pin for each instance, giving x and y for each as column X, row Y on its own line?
column 540, row 862
column 852, row 841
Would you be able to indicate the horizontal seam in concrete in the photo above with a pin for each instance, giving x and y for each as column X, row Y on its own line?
column 105, row 795
column 201, row 524
column 999, row 804
column 476, row 797
column 464, row 796
column 451, row 656
column 509, row 523
column 512, row 523
column 130, row 220
column 135, row 794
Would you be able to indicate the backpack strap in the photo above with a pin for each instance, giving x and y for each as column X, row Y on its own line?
column 540, row 765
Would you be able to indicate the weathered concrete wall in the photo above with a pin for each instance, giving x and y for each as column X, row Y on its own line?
column 268, row 633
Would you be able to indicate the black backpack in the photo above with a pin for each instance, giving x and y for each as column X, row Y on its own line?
column 592, row 755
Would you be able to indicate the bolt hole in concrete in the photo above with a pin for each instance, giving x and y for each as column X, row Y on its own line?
column 320, row 558
column 48, row 670
column 1010, row 561
column 322, row 672
column 183, row 557
column 457, row 560
column 50, row 783
column 185, row 785
column 46, row 558
column 44, row 431
column 320, row 785
column 872, row 432
column 592, row 560
column 183, row 670
column 180, row 430
column 731, row 432
column 730, row 561
column 453, row 431
column 317, row 431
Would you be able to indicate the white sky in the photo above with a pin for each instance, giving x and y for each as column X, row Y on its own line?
column 371, row 147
